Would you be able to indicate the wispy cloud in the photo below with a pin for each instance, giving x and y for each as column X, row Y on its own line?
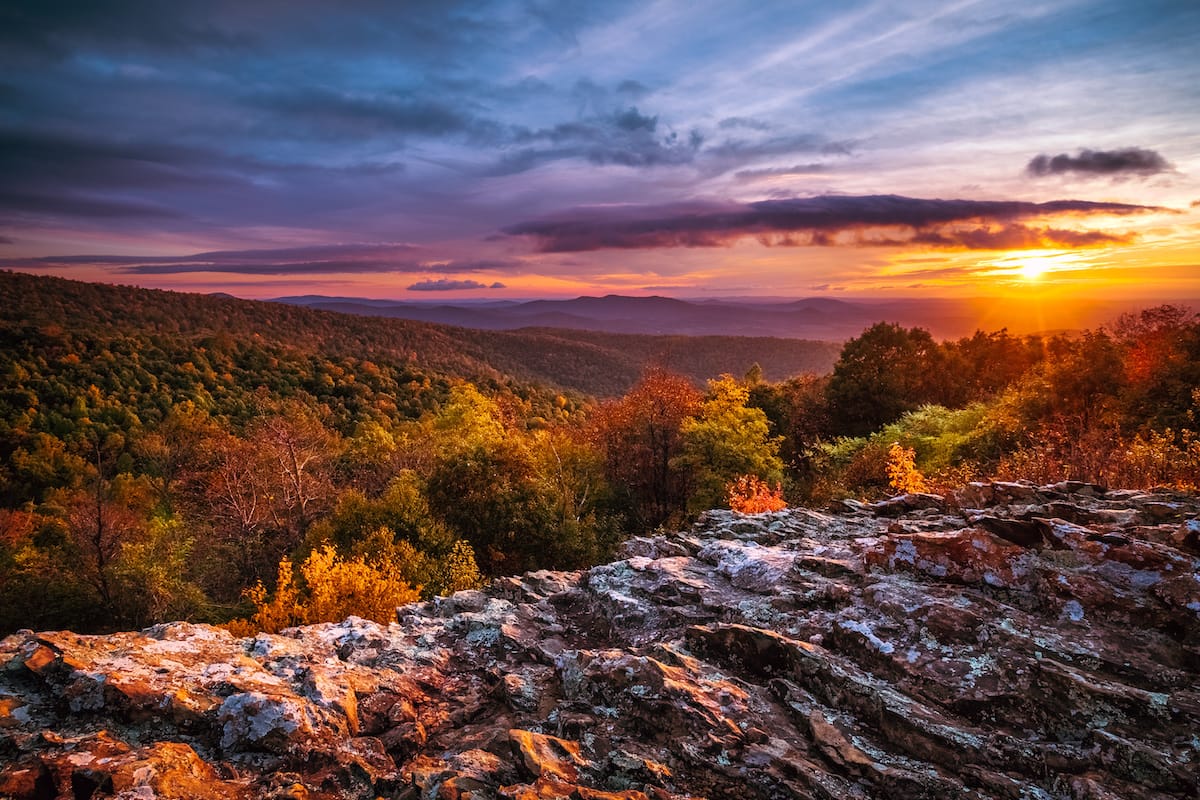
column 826, row 220
column 781, row 172
column 307, row 260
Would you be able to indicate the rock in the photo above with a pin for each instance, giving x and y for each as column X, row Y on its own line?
column 546, row 756
column 905, row 503
column 1040, row 643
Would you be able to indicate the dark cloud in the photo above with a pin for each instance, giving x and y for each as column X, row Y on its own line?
column 740, row 151
column 55, row 28
column 17, row 205
column 826, row 220
column 437, row 31
column 448, row 285
column 335, row 114
column 1019, row 237
column 1127, row 161
column 47, row 160
column 632, row 88
column 7, row 240
column 625, row 136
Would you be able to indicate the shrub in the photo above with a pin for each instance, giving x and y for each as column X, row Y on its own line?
column 903, row 475
column 334, row 588
column 750, row 494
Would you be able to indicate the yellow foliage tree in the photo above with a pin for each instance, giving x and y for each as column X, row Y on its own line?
column 902, row 470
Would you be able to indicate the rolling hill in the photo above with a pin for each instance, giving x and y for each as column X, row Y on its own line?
column 589, row 362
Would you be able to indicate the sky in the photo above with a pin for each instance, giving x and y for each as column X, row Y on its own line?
column 551, row 148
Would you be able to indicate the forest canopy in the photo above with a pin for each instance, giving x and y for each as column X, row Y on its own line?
column 169, row 456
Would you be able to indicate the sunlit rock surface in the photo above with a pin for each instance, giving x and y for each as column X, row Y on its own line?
column 1013, row 642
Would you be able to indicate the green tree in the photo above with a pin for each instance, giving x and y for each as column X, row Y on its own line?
column 880, row 374
column 725, row 440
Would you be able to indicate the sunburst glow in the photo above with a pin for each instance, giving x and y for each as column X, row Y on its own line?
column 1032, row 270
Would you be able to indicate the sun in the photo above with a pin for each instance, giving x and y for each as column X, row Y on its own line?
column 1031, row 270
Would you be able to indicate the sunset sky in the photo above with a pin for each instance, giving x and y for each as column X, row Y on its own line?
column 496, row 150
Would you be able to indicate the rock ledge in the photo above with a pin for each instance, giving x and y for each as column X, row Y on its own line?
column 1015, row 641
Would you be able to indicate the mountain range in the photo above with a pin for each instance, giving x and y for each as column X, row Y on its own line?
column 820, row 318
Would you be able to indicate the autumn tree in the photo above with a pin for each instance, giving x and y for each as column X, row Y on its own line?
column 298, row 450
column 798, row 411
column 1161, row 365
column 101, row 520
column 639, row 436
column 234, row 497
column 722, row 441
column 172, row 454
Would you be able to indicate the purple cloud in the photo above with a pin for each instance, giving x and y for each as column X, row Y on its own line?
column 826, row 220
column 448, row 285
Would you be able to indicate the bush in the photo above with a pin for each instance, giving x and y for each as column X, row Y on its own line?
column 333, row 589
column 903, row 475
column 750, row 494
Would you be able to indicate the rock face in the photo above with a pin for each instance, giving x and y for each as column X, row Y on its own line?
column 1013, row 642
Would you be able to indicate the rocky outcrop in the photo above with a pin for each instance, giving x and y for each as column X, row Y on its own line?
column 1013, row 642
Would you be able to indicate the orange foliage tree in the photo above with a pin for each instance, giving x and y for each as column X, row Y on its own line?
column 639, row 436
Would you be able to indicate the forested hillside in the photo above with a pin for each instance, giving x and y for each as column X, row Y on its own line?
column 171, row 456
column 592, row 363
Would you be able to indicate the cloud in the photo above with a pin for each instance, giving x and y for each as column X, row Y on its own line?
column 448, row 285
column 742, row 150
column 744, row 122
column 781, row 172
column 623, row 136
column 7, row 240
column 22, row 205
column 337, row 115
column 306, row 260
column 824, row 220
column 1127, row 161
column 331, row 259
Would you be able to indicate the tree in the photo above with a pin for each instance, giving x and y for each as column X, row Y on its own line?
column 798, row 411
column 1161, row 366
column 332, row 588
column 172, row 454
column 300, row 450
column 491, row 498
column 100, row 522
column 880, row 374
column 723, row 441
column 639, row 436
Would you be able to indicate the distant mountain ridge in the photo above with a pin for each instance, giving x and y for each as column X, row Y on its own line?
column 816, row 318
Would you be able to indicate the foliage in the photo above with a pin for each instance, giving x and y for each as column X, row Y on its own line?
column 750, row 494
column 332, row 589
column 640, row 438
column 722, row 441
column 160, row 452
column 882, row 373
column 903, row 475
